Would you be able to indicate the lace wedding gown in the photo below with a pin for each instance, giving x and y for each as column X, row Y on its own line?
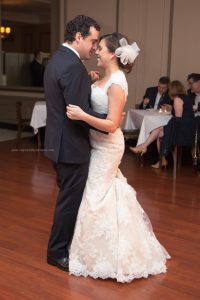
column 113, row 237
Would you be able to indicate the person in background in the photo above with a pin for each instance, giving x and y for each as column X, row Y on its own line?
column 156, row 96
column 178, row 131
column 37, row 68
column 190, row 80
column 195, row 89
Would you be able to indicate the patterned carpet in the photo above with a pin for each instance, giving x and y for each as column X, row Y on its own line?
column 8, row 135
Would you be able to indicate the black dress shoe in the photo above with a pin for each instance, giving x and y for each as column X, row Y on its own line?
column 61, row 263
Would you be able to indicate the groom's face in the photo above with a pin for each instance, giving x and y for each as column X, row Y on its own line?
column 88, row 45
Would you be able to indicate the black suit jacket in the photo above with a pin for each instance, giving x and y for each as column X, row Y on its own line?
column 192, row 96
column 66, row 81
column 151, row 94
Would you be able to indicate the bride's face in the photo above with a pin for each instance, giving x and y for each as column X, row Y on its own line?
column 104, row 57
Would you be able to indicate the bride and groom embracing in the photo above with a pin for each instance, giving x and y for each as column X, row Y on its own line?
column 99, row 228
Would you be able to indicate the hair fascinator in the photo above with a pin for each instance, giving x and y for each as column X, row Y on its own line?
column 127, row 53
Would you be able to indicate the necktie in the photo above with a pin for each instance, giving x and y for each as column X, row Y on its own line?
column 160, row 101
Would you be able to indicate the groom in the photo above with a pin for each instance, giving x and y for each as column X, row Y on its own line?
column 66, row 81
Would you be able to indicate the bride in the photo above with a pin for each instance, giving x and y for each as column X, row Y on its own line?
column 113, row 237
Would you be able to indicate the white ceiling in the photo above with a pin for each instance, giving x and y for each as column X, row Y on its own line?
column 29, row 11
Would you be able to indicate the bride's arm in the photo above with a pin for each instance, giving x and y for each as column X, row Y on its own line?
column 116, row 98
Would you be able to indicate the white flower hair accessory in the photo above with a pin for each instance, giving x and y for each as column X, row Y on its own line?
column 127, row 53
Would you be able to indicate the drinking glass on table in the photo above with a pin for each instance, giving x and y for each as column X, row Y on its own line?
column 166, row 108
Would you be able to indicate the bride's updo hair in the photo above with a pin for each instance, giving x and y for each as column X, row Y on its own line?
column 112, row 43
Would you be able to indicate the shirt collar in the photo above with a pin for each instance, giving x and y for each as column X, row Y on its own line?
column 68, row 46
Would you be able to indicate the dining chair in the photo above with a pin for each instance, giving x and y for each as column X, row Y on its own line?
column 131, row 134
column 176, row 154
column 22, row 123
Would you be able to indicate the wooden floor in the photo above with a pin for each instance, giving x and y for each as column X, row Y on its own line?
column 27, row 197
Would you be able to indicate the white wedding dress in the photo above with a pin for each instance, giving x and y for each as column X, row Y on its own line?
column 113, row 237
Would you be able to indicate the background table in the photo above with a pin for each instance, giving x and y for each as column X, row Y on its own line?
column 39, row 116
column 146, row 121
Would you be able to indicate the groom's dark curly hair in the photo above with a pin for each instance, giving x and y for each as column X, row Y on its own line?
column 80, row 24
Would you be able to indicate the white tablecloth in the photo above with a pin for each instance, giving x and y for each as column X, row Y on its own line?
column 146, row 121
column 39, row 115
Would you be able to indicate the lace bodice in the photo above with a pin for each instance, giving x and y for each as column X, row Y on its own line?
column 99, row 97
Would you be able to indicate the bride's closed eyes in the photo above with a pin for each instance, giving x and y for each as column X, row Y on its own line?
column 99, row 48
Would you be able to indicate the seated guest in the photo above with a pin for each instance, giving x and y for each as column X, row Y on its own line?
column 190, row 80
column 156, row 96
column 180, row 128
column 196, row 146
column 195, row 88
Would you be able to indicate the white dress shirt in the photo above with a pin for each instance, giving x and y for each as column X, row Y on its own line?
column 68, row 46
column 157, row 100
column 196, row 102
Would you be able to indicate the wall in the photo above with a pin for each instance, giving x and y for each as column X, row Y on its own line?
column 185, row 45
column 147, row 23
column 27, row 37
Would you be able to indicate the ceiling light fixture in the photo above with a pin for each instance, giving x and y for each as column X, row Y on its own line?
column 5, row 31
